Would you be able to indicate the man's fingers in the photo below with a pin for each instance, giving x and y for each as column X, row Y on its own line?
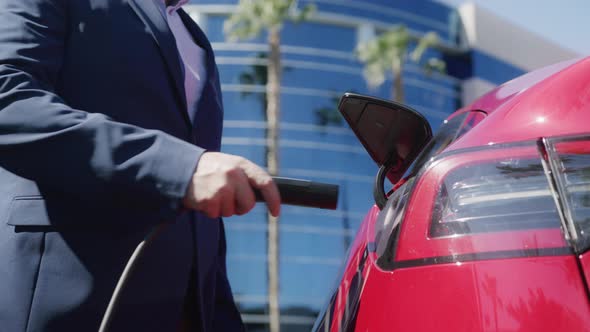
column 271, row 195
column 260, row 180
column 227, row 201
column 244, row 198
column 211, row 208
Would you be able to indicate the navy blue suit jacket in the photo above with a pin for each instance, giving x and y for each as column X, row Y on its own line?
column 96, row 148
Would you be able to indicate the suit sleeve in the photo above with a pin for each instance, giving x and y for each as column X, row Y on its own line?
column 227, row 317
column 79, row 153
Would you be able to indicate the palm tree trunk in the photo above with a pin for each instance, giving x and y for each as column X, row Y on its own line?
column 397, row 93
column 273, row 108
column 397, row 70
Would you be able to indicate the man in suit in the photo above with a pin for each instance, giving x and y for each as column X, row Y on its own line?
column 110, row 119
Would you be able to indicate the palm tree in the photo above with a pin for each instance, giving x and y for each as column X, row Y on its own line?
column 257, row 74
column 389, row 52
column 329, row 115
column 250, row 19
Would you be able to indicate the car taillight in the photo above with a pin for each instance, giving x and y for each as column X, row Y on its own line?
column 488, row 202
column 506, row 194
column 569, row 160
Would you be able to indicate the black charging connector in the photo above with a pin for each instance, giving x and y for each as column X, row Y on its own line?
column 305, row 193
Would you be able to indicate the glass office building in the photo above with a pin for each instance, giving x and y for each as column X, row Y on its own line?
column 319, row 66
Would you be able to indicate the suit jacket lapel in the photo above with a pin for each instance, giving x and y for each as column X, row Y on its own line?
column 203, row 42
column 150, row 14
column 199, row 37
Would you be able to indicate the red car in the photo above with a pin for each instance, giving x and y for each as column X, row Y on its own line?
column 487, row 227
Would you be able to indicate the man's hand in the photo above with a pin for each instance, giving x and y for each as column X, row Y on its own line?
column 222, row 186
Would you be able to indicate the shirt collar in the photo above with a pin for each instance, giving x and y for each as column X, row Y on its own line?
column 173, row 5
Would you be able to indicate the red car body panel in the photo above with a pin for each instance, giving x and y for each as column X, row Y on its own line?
column 551, row 102
column 495, row 295
column 504, row 280
column 585, row 263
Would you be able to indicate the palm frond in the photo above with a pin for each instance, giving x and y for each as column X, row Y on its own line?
column 253, row 16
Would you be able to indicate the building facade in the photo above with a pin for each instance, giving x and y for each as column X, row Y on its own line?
column 319, row 66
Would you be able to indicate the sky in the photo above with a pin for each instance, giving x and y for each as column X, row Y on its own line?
column 566, row 22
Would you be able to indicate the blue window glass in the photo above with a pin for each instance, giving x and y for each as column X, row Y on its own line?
column 248, row 278
column 324, row 36
column 215, row 31
column 306, row 285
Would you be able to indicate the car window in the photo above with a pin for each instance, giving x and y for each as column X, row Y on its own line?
column 387, row 223
column 450, row 131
